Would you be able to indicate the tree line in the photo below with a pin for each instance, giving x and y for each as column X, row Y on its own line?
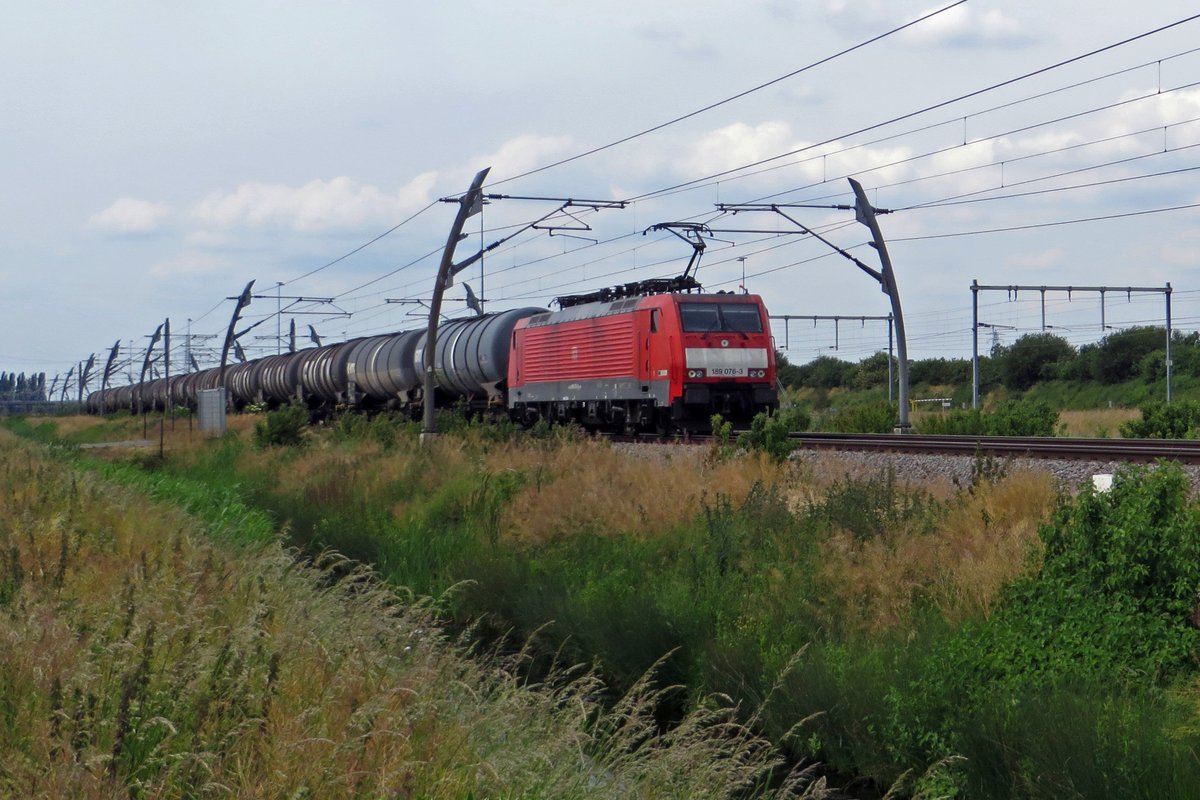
column 1122, row 356
column 19, row 387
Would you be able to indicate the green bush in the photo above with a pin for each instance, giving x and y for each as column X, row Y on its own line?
column 286, row 427
column 1010, row 418
column 939, row 371
column 1177, row 420
column 769, row 432
column 874, row 507
column 862, row 418
column 382, row 428
column 1022, row 418
column 873, row 371
column 1069, row 674
column 957, row 422
column 1113, row 601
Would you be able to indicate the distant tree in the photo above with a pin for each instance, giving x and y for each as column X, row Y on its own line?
column 1185, row 357
column 1032, row 358
column 872, row 371
column 939, row 371
column 827, row 372
column 1120, row 354
column 1085, row 367
column 1186, row 354
column 788, row 373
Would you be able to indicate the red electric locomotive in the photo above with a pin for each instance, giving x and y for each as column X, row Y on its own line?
column 658, row 362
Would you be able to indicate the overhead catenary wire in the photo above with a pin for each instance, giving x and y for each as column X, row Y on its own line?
column 879, row 125
column 924, row 110
column 363, row 246
column 1052, row 224
column 1029, row 74
column 738, row 96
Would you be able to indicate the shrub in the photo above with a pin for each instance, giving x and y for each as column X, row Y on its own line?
column 863, row 418
column 1022, row 418
column 1010, row 418
column 1114, row 599
column 286, row 427
column 958, row 422
column 1162, row 421
column 874, row 507
column 769, row 433
column 1029, row 359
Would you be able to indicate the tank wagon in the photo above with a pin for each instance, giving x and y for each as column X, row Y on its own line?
column 470, row 364
column 653, row 362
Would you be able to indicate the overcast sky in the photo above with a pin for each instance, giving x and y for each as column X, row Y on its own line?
column 157, row 156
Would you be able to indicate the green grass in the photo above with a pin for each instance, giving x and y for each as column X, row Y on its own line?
column 144, row 658
column 878, row 679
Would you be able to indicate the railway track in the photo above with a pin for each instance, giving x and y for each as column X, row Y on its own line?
column 1135, row 450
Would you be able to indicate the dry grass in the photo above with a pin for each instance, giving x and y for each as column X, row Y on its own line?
column 987, row 539
column 136, row 658
column 590, row 486
column 1099, row 422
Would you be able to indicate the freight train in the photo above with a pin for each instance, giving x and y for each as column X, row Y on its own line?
column 662, row 362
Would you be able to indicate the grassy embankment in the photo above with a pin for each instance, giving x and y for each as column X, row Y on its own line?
column 1090, row 410
column 149, row 652
column 927, row 638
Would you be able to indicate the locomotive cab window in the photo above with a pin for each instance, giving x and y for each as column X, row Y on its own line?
column 720, row 317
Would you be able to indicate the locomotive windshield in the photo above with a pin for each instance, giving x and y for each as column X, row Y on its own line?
column 720, row 317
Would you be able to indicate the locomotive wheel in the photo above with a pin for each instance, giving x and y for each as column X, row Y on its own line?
column 664, row 426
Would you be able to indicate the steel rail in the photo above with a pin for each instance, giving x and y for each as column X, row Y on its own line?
column 1091, row 449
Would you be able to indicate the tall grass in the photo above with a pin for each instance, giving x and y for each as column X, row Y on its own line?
column 139, row 659
column 837, row 605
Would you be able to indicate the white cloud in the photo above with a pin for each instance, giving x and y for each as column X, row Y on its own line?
column 523, row 153
column 680, row 41
column 736, row 145
column 318, row 205
column 961, row 26
column 1042, row 259
column 190, row 263
column 129, row 215
column 206, row 238
column 1184, row 251
column 964, row 26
